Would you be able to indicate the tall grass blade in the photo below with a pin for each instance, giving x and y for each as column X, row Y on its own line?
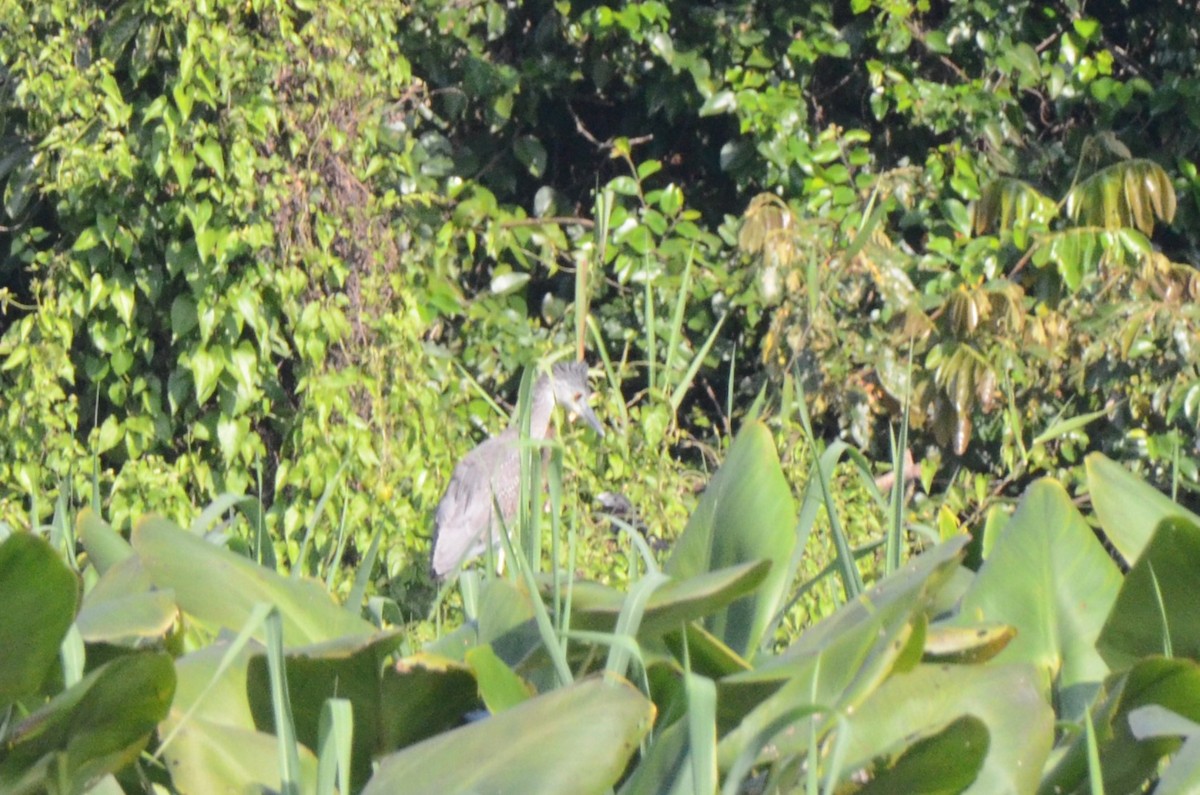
column 281, row 703
column 258, row 615
column 702, row 730
column 605, row 200
column 837, row 756
column 630, row 619
column 526, row 453
column 685, row 287
column 334, row 740
column 541, row 618
column 685, row 383
column 554, row 476
column 1095, row 773
column 609, row 372
column 651, row 333
column 302, row 558
column 730, row 388
column 1168, row 649
column 334, row 560
column 73, row 656
column 809, row 509
column 362, row 577
column 852, row 583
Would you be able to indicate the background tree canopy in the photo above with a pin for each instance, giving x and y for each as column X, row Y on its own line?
column 290, row 249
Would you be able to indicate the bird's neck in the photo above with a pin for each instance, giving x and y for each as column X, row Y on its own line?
column 541, row 406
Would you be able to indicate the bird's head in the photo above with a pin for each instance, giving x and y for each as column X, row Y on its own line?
column 569, row 382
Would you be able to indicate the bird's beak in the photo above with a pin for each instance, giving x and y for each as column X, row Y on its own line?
column 585, row 411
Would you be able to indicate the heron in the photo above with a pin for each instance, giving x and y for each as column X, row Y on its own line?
column 490, row 475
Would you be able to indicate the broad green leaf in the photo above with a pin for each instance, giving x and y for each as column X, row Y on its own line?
column 1156, row 611
column 1020, row 724
column 123, row 609
column 220, row 588
column 661, row 770
column 946, row 762
column 499, row 686
column 965, row 644
column 1129, row 763
column 1182, row 775
column 746, row 514
column 706, row 654
column 423, row 695
column 531, row 154
column 95, row 727
column 1049, row 578
column 213, row 744
column 351, row 668
column 1129, row 509
column 596, row 606
column 38, row 599
column 837, row 662
column 210, row 756
column 577, row 739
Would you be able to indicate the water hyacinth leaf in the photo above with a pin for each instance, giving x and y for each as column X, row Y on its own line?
column 1129, row 508
column 1156, row 610
column 220, row 588
column 39, row 595
column 1051, row 579
column 746, row 514
column 534, row 748
column 930, row 697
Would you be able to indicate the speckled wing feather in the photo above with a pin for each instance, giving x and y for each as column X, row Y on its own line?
column 463, row 516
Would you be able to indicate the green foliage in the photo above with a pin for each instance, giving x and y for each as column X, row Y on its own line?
column 935, row 673
column 299, row 252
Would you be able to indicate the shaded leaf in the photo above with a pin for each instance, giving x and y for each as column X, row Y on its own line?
column 1156, row 611
column 39, row 595
column 747, row 513
column 535, row 747
column 1048, row 577
column 220, row 588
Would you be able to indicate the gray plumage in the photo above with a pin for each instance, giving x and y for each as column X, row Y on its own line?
column 491, row 473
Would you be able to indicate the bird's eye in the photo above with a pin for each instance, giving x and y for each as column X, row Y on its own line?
column 578, row 396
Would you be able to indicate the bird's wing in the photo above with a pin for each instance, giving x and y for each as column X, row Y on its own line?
column 463, row 516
